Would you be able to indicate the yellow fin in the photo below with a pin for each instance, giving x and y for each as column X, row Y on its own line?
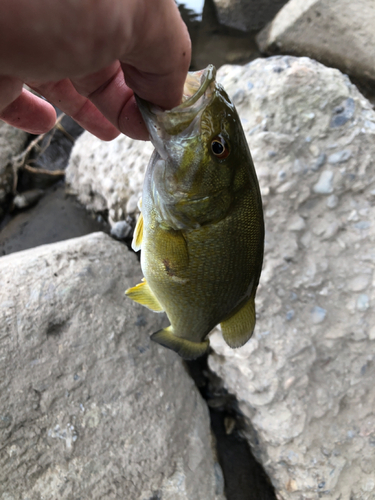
column 239, row 326
column 143, row 294
column 138, row 234
column 185, row 348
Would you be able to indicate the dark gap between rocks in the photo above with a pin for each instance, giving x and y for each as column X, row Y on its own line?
column 244, row 476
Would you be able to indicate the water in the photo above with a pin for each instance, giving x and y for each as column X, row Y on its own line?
column 213, row 43
column 194, row 6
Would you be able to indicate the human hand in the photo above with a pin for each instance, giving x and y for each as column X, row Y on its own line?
column 88, row 58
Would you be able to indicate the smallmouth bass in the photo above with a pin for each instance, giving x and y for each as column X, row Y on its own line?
column 201, row 229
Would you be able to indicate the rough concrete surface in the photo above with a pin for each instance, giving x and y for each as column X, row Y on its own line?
column 339, row 33
column 90, row 408
column 12, row 141
column 305, row 381
column 108, row 175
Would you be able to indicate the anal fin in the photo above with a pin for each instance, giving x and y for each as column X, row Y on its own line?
column 239, row 326
column 185, row 348
column 143, row 294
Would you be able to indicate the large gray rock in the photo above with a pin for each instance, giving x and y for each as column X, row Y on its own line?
column 247, row 15
column 108, row 175
column 90, row 408
column 12, row 141
column 339, row 33
column 305, row 381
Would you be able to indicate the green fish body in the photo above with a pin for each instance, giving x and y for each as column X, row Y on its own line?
column 201, row 229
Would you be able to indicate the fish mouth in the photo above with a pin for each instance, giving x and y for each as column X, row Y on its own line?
column 196, row 85
column 183, row 120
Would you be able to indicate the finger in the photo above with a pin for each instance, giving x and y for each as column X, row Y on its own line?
column 110, row 94
column 63, row 95
column 10, row 89
column 156, row 63
column 30, row 113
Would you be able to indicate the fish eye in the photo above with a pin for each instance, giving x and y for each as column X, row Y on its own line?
column 219, row 147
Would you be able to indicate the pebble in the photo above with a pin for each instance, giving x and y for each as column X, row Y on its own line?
column 297, row 223
column 285, row 187
column 121, row 230
column 343, row 113
column 28, row 198
column 370, row 125
column 320, row 161
column 339, row 156
column 330, row 230
column 318, row 315
column 324, row 184
column 363, row 224
column 238, row 97
column 363, row 302
column 369, row 485
column 359, row 283
column 332, row 201
column 290, row 315
column 353, row 216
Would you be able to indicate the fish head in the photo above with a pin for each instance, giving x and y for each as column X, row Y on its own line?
column 201, row 153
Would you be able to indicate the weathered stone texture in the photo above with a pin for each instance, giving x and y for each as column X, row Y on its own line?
column 339, row 33
column 108, row 175
column 305, row 382
column 90, row 408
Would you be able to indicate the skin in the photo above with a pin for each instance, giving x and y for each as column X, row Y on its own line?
column 89, row 57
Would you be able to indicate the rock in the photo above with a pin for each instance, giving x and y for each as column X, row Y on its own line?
column 105, row 175
column 247, row 15
column 27, row 198
column 324, row 184
column 213, row 43
column 305, row 381
column 89, row 406
column 55, row 147
column 12, row 141
column 55, row 218
column 121, row 230
column 339, row 33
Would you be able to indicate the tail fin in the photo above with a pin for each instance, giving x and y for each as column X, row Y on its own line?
column 185, row 348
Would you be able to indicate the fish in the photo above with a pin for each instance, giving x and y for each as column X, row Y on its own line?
column 201, row 226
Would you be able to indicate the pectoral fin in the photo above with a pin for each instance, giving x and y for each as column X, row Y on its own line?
column 185, row 348
column 143, row 294
column 238, row 327
column 138, row 234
